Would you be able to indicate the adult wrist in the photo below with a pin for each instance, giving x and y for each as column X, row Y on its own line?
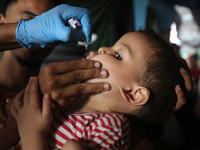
column 21, row 34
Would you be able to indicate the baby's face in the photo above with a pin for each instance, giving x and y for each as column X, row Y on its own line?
column 122, row 61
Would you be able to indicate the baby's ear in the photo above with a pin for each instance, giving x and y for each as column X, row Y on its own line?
column 2, row 19
column 137, row 96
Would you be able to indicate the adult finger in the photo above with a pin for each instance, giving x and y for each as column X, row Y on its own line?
column 68, row 66
column 79, row 90
column 187, row 78
column 184, row 63
column 181, row 99
column 80, row 75
column 87, row 25
column 180, row 102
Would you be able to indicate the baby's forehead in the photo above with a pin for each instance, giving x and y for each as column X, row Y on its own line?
column 135, row 38
column 138, row 44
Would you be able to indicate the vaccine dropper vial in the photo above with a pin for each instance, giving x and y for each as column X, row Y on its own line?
column 74, row 23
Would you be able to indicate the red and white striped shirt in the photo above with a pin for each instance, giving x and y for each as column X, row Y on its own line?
column 92, row 130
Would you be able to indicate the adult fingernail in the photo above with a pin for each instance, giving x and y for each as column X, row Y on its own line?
column 179, row 88
column 103, row 73
column 97, row 64
column 106, row 86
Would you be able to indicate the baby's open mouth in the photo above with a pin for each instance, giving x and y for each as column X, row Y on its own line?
column 91, row 55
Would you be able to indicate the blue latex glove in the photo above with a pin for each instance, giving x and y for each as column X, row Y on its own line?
column 50, row 28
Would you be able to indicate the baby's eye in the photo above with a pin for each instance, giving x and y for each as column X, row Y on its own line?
column 117, row 56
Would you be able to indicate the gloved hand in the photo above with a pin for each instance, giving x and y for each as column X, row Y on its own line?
column 50, row 28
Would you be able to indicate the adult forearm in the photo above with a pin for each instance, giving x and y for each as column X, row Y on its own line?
column 7, row 37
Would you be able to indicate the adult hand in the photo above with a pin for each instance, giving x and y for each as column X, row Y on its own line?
column 181, row 96
column 60, row 80
column 50, row 28
column 139, row 132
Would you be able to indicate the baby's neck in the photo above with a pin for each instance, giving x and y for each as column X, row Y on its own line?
column 88, row 105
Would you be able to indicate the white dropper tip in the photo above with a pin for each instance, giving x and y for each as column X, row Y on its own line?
column 86, row 45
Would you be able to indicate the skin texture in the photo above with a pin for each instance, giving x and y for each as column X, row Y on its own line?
column 20, row 59
column 30, row 109
column 15, row 76
column 19, row 64
column 26, row 108
column 7, row 39
column 114, row 59
column 56, row 79
column 123, row 61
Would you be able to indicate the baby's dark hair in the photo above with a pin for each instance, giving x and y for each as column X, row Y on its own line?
column 6, row 3
column 160, row 75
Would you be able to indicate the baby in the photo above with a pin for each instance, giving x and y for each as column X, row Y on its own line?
column 143, row 71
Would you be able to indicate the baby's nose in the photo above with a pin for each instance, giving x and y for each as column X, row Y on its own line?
column 102, row 50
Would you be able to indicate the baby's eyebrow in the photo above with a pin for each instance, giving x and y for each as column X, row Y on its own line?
column 29, row 13
column 126, row 47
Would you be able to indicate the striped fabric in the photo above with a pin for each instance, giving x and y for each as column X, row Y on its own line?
column 93, row 130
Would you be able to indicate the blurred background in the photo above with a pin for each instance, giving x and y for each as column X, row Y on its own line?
column 178, row 22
